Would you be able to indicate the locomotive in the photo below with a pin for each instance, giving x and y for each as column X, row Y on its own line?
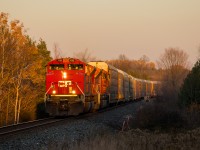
column 74, row 87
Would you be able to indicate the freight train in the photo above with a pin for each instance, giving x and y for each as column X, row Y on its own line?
column 74, row 87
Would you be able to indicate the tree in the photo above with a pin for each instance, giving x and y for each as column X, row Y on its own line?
column 122, row 57
column 22, row 71
column 57, row 51
column 85, row 56
column 142, row 68
column 122, row 63
column 144, row 58
column 190, row 90
column 174, row 63
column 142, row 65
column 7, row 44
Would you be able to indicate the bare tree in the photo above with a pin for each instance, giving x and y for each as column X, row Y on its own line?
column 123, row 57
column 174, row 62
column 173, row 57
column 85, row 56
column 57, row 51
column 142, row 68
column 144, row 58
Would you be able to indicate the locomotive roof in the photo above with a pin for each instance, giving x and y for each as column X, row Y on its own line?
column 65, row 60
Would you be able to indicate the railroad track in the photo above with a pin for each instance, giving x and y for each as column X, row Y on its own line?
column 22, row 127
column 114, row 106
column 13, row 129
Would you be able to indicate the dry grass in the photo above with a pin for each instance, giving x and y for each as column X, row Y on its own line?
column 166, row 116
column 136, row 139
column 158, row 116
column 163, row 128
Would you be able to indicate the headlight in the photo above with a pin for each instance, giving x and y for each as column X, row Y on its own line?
column 73, row 92
column 54, row 92
column 64, row 75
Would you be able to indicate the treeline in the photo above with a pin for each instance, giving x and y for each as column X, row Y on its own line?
column 142, row 68
column 22, row 72
column 178, row 106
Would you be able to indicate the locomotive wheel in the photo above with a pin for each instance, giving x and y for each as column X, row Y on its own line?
column 89, row 106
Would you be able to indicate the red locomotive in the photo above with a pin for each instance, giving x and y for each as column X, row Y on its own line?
column 74, row 87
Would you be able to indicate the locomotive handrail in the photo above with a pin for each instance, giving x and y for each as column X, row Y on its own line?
column 98, row 96
column 100, row 72
column 45, row 95
column 81, row 92
column 90, row 72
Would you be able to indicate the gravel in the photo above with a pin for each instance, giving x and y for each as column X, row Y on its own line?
column 72, row 132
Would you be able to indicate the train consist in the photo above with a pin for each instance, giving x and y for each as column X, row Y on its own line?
column 74, row 87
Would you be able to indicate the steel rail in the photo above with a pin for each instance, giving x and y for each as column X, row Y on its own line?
column 12, row 129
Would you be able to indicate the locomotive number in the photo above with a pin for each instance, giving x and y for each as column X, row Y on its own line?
column 64, row 83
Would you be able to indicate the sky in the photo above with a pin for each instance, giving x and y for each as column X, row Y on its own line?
column 108, row 28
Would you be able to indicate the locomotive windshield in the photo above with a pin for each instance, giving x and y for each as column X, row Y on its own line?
column 75, row 66
column 56, row 66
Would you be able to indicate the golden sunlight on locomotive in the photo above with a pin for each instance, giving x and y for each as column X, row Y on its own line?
column 74, row 87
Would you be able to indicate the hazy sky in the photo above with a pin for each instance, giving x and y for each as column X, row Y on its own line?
column 109, row 28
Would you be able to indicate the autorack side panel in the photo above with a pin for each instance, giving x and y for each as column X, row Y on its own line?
column 135, row 88
column 125, row 90
column 121, row 88
column 156, row 90
column 153, row 84
column 113, row 84
column 149, row 88
column 146, row 88
column 126, row 87
column 143, row 88
column 131, row 87
column 138, row 84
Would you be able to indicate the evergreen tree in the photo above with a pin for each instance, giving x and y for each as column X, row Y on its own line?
column 190, row 90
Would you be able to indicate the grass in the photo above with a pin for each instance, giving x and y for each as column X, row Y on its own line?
column 156, row 126
column 137, row 139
